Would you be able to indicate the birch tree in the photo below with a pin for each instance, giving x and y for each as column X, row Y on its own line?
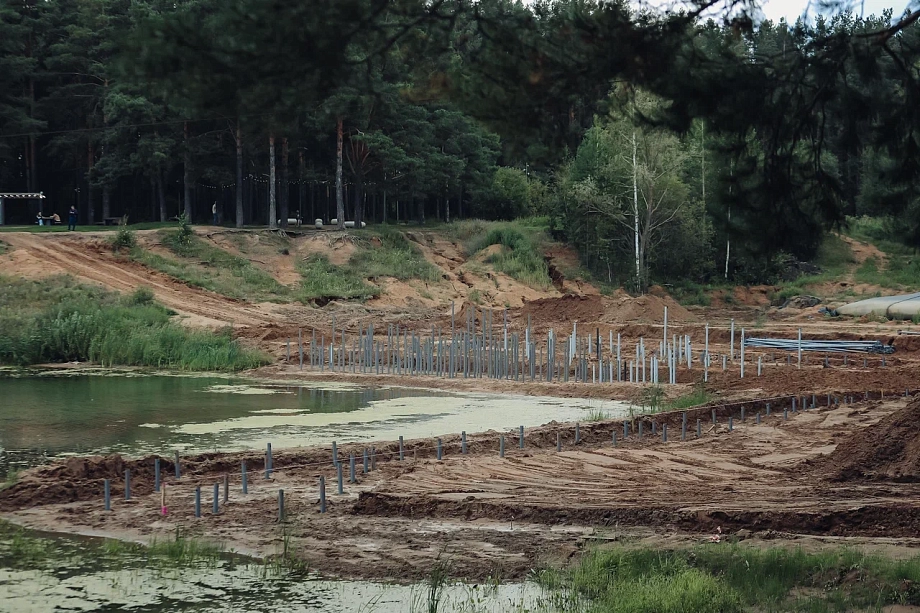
column 628, row 176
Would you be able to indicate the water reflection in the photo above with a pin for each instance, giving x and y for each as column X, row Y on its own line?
column 47, row 416
column 40, row 573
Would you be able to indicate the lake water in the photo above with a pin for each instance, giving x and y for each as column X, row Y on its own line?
column 53, row 414
column 43, row 415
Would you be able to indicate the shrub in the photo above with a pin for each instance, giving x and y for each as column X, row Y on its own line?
column 123, row 239
column 69, row 322
column 141, row 296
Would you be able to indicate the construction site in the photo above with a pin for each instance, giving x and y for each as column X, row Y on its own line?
column 747, row 420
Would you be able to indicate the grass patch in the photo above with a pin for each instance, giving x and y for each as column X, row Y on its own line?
column 693, row 294
column 12, row 478
column 597, row 415
column 729, row 578
column 902, row 273
column 519, row 258
column 58, row 320
column 835, row 258
column 3, row 247
column 394, row 257
column 124, row 239
column 208, row 267
column 179, row 551
column 876, row 231
column 698, row 396
column 323, row 281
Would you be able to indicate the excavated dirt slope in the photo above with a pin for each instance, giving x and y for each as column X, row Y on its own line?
column 888, row 451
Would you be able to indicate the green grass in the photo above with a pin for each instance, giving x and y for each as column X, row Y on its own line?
column 202, row 265
column 876, row 231
column 323, row 281
column 381, row 252
column 902, row 273
column 394, row 257
column 179, row 551
column 3, row 247
column 597, row 415
column 835, row 258
column 12, row 478
column 729, row 578
column 520, row 257
column 693, row 294
column 58, row 320
column 698, row 396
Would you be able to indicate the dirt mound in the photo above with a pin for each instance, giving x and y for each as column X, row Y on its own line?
column 567, row 308
column 889, row 450
column 68, row 481
column 648, row 308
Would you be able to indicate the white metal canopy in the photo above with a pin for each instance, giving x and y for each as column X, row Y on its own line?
column 16, row 196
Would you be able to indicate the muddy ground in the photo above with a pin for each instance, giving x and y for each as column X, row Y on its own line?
column 500, row 517
column 843, row 473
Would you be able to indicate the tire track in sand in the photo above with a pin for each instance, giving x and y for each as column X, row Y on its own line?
column 202, row 307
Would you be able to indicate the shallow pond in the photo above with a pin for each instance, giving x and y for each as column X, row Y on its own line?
column 40, row 573
column 52, row 414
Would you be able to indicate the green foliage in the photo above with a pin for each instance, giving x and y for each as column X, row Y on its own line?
column 123, row 239
column 902, row 273
column 719, row 578
column 689, row 294
column 185, row 235
column 651, row 399
column 323, row 282
column 597, row 415
column 12, row 478
column 142, row 296
column 510, row 195
column 210, row 267
column 395, row 257
column 519, row 258
column 698, row 396
column 57, row 320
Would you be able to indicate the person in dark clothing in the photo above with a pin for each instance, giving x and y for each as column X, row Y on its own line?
column 72, row 218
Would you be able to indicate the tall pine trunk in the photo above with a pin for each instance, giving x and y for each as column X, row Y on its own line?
column 90, row 159
column 301, row 186
column 239, row 177
column 285, row 183
column 106, row 189
column 186, row 176
column 272, row 206
column 359, row 198
column 161, row 195
column 32, row 165
column 106, row 201
column 339, row 197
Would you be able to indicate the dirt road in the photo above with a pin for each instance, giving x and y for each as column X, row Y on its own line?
column 44, row 254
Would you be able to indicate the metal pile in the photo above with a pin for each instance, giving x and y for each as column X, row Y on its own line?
column 784, row 344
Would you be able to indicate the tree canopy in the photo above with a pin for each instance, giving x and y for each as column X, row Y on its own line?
column 752, row 138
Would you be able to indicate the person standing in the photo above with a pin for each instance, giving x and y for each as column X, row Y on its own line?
column 214, row 212
column 72, row 218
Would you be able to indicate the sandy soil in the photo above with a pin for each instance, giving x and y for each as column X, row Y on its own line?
column 502, row 516
column 49, row 254
column 780, row 479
